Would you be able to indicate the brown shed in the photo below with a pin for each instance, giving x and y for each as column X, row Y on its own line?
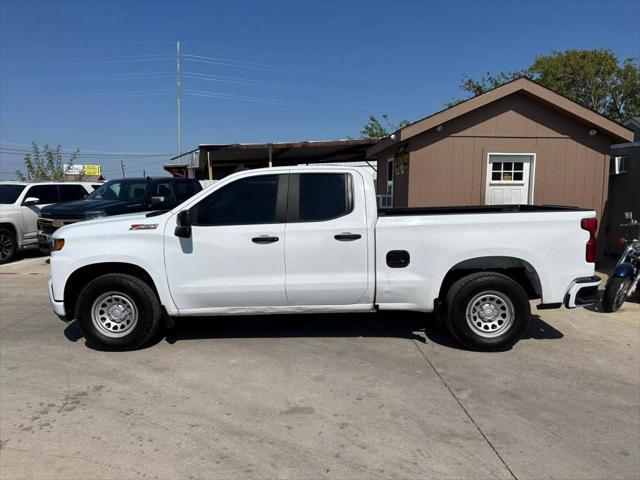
column 518, row 143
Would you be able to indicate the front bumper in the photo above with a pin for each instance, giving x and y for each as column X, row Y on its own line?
column 58, row 306
column 582, row 292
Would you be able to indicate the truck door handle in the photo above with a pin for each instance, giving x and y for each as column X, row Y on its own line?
column 347, row 237
column 263, row 239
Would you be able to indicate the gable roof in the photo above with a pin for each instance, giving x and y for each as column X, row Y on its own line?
column 521, row 85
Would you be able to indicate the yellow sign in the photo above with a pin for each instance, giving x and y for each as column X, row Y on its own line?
column 92, row 170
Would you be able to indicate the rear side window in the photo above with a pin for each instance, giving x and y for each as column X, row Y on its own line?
column 248, row 201
column 185, row 190
column 71, row 192
column 44, row 193
column 324, row 196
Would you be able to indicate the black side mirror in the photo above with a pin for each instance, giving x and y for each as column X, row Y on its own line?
column 183, row 229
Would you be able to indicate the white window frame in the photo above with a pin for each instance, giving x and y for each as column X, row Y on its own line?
column 532, row 172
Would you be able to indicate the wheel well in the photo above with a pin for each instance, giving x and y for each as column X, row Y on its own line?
column 84, row 275
column 515, row 268
column 11, row 227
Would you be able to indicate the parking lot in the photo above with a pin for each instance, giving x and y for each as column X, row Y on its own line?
column 342, row 396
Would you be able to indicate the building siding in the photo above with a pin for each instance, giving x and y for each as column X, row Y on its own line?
column 448, row 167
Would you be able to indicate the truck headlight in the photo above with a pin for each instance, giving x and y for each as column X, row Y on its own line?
column 57, row 244
column 95, row 214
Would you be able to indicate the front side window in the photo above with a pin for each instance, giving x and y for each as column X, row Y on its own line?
column 323, row 196
column 247, row 201
column 71, row 192
column 10, row 193
column 125, row 190
column 44, row 193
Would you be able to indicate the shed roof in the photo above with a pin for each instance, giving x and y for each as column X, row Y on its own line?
column 617, row 131
column 287, row 153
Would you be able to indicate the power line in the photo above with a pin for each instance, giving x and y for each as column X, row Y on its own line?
column 139, row 58
column 242, row 98
column 138, row 93
column 117, row 76
column 89, row 151
column 258, row 66
column 257, row 83
column 21, row 152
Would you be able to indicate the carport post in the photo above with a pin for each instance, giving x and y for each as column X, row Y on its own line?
column 209, row 163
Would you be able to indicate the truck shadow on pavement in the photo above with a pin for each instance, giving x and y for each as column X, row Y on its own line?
column 421, row 327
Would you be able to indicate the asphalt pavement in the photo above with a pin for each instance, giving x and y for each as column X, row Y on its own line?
column 319, row 396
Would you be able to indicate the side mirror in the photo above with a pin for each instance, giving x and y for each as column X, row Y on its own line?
column 155, row 201
column 183, row 229
column 30, row 201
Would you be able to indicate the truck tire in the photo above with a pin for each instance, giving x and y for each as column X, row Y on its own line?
column 615, row 293
column 118, row 312
column 487, row 311
column 8, row 246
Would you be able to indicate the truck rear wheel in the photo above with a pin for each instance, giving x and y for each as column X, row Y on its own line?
column 118, row 312
column 487, row 311
column 8, row 246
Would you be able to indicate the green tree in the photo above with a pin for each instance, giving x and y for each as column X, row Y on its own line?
column 375, row 128
column 597, row 79
column 46, row 163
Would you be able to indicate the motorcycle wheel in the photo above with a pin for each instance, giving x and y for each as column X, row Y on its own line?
column 615, row 293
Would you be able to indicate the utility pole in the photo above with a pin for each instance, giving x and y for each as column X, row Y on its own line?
column 178, row 96
column 122, row 167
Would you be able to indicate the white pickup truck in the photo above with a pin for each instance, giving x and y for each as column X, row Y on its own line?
column 311, row 239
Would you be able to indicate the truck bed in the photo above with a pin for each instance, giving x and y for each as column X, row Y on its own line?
column 389, row 212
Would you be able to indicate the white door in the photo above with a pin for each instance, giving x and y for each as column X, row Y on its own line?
column 235, row 255
column 326, row 240
column 509, row 179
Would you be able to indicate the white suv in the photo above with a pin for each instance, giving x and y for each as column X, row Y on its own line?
column 20, row 204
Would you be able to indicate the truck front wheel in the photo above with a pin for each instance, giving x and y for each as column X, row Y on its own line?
column 487, row 311
column 118, row 312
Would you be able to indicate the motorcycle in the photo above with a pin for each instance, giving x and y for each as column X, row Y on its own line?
column 625, row 277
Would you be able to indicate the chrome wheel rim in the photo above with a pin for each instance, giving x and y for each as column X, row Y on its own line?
column 490, row 314
column 114, row 314
column 6, row 246
column 620, row 294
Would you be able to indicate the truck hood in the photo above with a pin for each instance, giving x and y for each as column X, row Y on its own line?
column 101, row 227
column 77, row 208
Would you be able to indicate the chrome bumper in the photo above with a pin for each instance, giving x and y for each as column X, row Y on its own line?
column 582, row 292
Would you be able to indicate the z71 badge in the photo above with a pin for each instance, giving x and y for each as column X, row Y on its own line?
column 143, row 226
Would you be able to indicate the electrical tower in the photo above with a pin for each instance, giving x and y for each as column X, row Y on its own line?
column 178, row 96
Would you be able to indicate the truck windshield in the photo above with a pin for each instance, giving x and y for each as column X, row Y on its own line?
column 124, row 190
column 10, row 193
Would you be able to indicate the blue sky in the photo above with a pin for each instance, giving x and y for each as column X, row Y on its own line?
column 100, row 76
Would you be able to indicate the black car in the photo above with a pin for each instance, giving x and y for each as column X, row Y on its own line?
column 127, row 195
